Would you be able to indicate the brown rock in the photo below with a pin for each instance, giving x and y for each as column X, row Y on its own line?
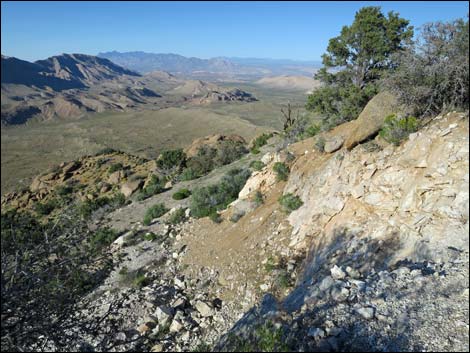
column 130, row 187
column 72, row 166
column 116, row 177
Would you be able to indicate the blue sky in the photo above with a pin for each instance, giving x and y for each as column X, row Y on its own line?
column 292, row 30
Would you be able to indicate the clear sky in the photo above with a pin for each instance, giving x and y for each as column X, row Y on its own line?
column 288, row 30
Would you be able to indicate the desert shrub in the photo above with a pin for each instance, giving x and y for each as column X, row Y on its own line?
column 282, row 171
column 261, row 140
column 236, row 216
column 255, row 150
column 115, row 167
column 171, row 160
column 150, row 236
column 87, row 207
column 178, row 216
column 154, row 186
column 63, row 190
column 396, row 129
column 320, row 144
column 258, row 198
column 215, row 217
column 257, row 165
column 140, row 280
column 189, row 174
column 102, row 238
column 204, row 161
column 106, row 150
column 290, row 202
column 155, row 211
column 228, row 152
column 432, row 75
column 209, row 199
column 312, row 130
column 46, row 207
column 181, row 194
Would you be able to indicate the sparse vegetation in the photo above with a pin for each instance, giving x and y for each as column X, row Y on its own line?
column 260, row 141
column 215, row 217
column 87, row 207
column 396, row 129
column 153, row 187
column 150, row 236
column 177, row 216
column 188, row 174
column 63, row 190
column 102, row 238
column 115, row 167
column 258, row 198
column 282, row 171
column 171, row 161
column 153, row 212
column 206, row 200
column 290, row 202
column 257, row 165
column 46, row 207
column 181, row 194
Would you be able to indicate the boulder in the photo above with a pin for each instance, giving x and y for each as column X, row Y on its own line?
column 334, row 144
column 204, row 309
column 130, row 187
column 116, row 177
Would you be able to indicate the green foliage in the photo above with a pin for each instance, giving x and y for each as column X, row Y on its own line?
column 432, row 75
column 228, row 152
column 102, row 238
column 45, row 208
column 87, row 207
column 270, row 265
column 63, row 190
column 115, row 167
column 362, row 53
column 189, row 174
column 140, row 280
column 282, row 171
column 171, row 160
column 261, row 140
column 263, row 338
column 178, row 216
column 181, row 194
column 155, row 211
column 215, row 217
column 154, row 186
column 207, row 200
column 397, row 129
column 150, row 236
column 255, row 150
column 312, row 130
column 257, row 165
column 258, row 198
column 290, row 202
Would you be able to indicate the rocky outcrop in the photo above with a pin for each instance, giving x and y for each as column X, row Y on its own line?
column 212, row 141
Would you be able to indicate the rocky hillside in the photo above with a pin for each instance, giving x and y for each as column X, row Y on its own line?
column 360, row 245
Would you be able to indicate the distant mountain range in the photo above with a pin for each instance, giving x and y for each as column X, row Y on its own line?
column 190, row 66
column 70, row 85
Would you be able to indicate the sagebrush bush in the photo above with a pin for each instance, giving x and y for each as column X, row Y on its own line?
column 171, row 160
column 209, row 199
column 102, row 238
column 153, row 187
column 282, row 171
column 115, row 167
column 257, row 165
column 155, row 211
column 396, row 129
column 320, row 144
column 261, row 140
column 258, row 198
column 178, row 216
column 181, row 194
column 290, row 202
column 46, row 207
column 189, row 174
